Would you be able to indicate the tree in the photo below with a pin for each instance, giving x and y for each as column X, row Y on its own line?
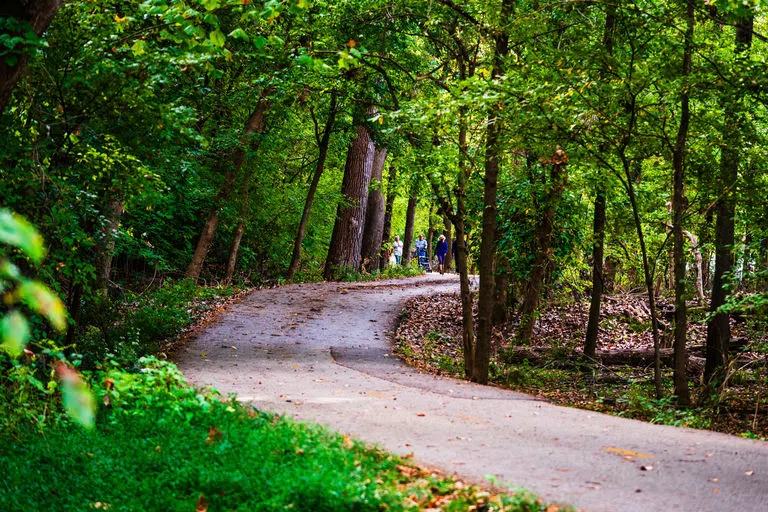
column 25, row 20
column 347, row 238
column 374, row 214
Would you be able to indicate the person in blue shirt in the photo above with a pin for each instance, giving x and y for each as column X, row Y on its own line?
column 441, row 251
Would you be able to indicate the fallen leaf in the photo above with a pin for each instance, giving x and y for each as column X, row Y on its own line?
column 749, row 473
column 646, row 468
column 630, row 453
column 214, row 435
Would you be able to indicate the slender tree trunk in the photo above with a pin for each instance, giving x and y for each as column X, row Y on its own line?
column 237, row 236
column 113, row 213
column 648, row 278
column 374, row 215
column 467, row 319
column 490, row 189
column 410, row 217
column 39, row 14
column 319, row 168
column 347, row 238
column 430, row 231
column 233, row 252
column 390, row 203
column 679, row 205
column 699, row 265
column 598, row 230
column 544, row 238
column 501, row 291
column 255, row 126
column 718, row 328
column 598, row 221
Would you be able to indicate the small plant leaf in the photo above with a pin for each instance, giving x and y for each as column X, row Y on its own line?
column 76, row 397
column 16, row 231
column 41, row 299
column 14, row 333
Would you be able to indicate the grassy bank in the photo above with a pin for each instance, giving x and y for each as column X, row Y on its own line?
column 160, row 445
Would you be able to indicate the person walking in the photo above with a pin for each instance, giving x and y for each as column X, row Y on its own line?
column 441, row 251
column 397, row 247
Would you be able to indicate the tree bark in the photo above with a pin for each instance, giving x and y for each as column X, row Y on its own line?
column 410, row 218
column 374, row 215
column 347, row 238
column 322, row 146
column 598, row 230
column 390, row 203
column 544, row 238
column 719, row 328
column 490, row 189
column 112, row 214
column 678, row 209
column 598, row 221
column 39, row 14
column 255, row 125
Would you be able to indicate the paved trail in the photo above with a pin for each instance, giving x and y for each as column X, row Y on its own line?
column 319, row 352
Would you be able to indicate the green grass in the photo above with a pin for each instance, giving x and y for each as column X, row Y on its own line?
column 159, row 445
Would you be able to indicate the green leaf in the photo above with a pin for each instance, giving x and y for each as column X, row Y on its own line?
column 218, row 38
column 238, row 33
column 259, row 42
column 76, row 397
column 41, row 299
column 16, row 231
column 211, row 4
column 14, row 333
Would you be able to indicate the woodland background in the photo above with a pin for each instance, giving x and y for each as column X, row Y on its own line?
column 568, row 149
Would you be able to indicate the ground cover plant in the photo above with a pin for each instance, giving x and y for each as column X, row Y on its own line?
column 552, row 366
column 161, row 445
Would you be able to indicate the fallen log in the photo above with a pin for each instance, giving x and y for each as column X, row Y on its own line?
column 606, row 357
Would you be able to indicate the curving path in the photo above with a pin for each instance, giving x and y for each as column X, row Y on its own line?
column 319, row 352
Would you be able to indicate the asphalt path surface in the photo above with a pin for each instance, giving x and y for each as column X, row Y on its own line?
column 320, row 352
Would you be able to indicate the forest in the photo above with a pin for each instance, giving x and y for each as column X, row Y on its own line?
column 158, row 153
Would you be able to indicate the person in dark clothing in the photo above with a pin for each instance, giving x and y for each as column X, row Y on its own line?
column 441, row 251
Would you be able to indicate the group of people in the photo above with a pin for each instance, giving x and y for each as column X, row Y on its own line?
column 421, row 250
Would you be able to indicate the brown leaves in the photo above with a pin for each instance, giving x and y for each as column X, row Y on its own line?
column 202, row 504
column 214, row 435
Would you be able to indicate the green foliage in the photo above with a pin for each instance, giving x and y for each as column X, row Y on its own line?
column 16, row 289
column 140, row 323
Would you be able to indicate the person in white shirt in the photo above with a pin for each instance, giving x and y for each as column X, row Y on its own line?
column 397, row 247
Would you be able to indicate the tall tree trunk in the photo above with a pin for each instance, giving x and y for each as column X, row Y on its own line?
column 490, row 189
column 544, row 237
column 598, row 221
column 410, row 218
column 449, row 239
column 598, row 230
column 390, row 203
column 39, row 14
column 237, row 236
column 322, row 146
column 347, row 238
column 254, row 126
column 374, row 215
column 678, row 210
column 630, row 188
column 718, row 328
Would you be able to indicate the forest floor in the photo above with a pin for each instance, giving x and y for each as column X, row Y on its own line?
column 551, row 367
column 322, row 352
